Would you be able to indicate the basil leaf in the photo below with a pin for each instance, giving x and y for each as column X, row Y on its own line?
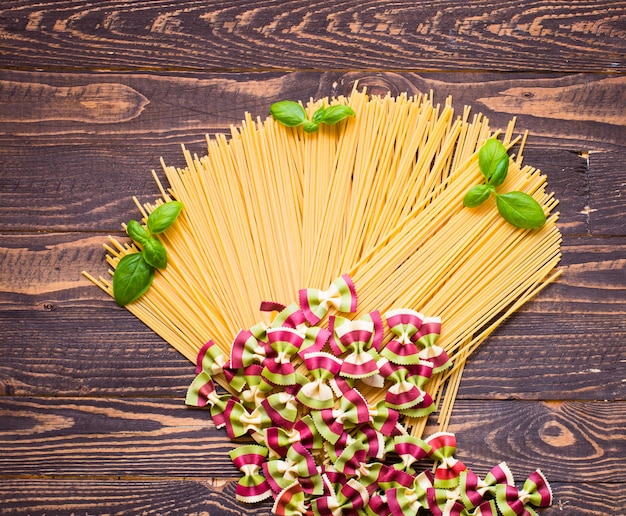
column 492, row 159
column 476, row 196
column 334, row 114
column 521, row 210
column 310, row 127
column 318, row 116
column 164, row 216
column 154, row 253
column 137, row 232
column 288, row 113
column 131, row 279
column 500, row 171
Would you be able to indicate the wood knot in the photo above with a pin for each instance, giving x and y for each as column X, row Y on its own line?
column 380, row 84
column 100, row 103
column 556, row 434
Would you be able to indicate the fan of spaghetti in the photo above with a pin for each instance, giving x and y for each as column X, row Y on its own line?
column 363, row 221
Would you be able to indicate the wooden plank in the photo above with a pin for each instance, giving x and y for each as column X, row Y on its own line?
column 63, row 335
column 109, row 148
column 570, row 111
column 206, row 496
column 607, row 191
column 97, row 186
column 592, row 499
column 573, row 442
column 453, row 34
column 555, row 342
column 199, row 496
column 105, row 353
column 87, row 353
column 92, row 415
column 114, row 437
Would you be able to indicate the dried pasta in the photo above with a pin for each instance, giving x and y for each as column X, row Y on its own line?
column 270, row 210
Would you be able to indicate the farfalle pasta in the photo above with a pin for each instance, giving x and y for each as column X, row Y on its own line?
column 325, row 450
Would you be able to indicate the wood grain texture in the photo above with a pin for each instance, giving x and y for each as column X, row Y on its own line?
column 92, row 94
column 48, row 446
column 570, row 111
column 97, row 157
column 209, row 497
column 570, row 441
column 299, row 34
column 607, row 191
column 198, row 496
column 573, row 442
column 33, row 179
column 45, row 299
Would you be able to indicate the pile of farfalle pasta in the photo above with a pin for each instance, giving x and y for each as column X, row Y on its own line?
column 322, row 448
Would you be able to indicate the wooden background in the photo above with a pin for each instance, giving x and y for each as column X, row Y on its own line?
column 93, row 93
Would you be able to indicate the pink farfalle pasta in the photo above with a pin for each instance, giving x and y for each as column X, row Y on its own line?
column 252, row 487
column 211, row 359
column 298, row 465
column 341, row 295
column 409, row 500
column 239, row 421
column 536, row 492
column 282, row 344
column 255, row 388
column 353, row 410
column 282, row 409
column 343, row 499
column 410, row 450
column 404, row 391
column 442, row 502
column 449, row 468
column 474, row 490
column 269, row 311
column 316, row 393
column 353, row 451
column 405, row 325
column 246, row 350
column 292, row 501
column 427, row 338
column 355, row 340
column 278, row 440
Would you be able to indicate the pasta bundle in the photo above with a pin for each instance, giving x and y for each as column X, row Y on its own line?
column 270, row 211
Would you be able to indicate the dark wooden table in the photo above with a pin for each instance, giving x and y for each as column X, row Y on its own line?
column 92, row 94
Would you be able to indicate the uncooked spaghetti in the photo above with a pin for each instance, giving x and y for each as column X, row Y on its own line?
column 271, row 210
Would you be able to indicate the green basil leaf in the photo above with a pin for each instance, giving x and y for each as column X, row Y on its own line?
column 336, row 113
column 131, row 279
column 476, row 196
column 137, row 232
column 164, row 216
column 288, row 113
column 310, row 127
column 154, row 253
column 492, row 158
column 521, row 210
column 500, row 171
column 318, row 116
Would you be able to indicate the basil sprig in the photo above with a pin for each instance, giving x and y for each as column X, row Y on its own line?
column 517, row 208
column 292, row 114
column 134, row 272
